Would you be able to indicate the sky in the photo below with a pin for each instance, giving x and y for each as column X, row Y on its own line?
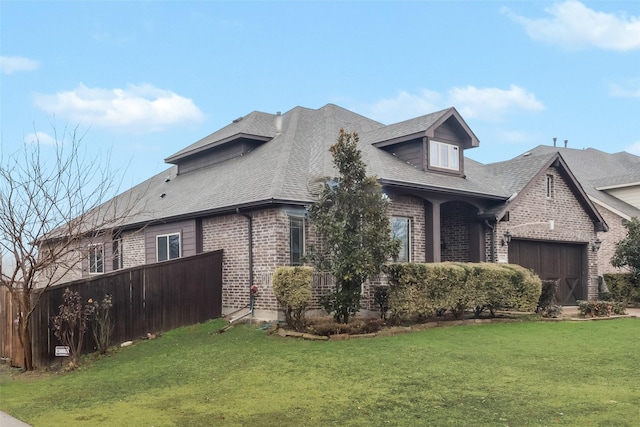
column 140, row 80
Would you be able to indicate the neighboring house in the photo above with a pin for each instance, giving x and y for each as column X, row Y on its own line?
column 612, row 182
column 245, row 188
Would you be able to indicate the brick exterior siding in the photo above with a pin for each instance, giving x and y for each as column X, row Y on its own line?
column 531, row 212
column 133, row 249
column 617, row 232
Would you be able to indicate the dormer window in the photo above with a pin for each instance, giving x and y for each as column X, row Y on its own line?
column 444, row 156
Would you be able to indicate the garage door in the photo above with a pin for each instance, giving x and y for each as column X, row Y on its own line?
column 563, row 262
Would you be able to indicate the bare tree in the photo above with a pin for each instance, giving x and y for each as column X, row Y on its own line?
column 54, row 201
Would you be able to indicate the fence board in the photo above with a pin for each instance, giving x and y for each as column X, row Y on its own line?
column 150, row 298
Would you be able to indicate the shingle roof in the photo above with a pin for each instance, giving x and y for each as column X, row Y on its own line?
column 292, row 165
column 596, row 169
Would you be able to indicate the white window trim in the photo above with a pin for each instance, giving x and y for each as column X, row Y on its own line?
column 168, row 235
column 92, row 248
column 453, row 152
column 409, row 242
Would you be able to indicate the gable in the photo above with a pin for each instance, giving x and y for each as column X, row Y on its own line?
column 434, row 143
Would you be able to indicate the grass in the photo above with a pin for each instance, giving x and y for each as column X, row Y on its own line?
column 510, row 374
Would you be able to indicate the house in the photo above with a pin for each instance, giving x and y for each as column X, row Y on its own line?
column 612, row 183
column 245, row 189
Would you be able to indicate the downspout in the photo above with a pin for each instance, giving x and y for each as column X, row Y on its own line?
column 250, row 232
column 493, row 240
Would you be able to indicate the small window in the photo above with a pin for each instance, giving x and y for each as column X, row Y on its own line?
column 549, row 187
column 400, row 230
column 296, row 240
column 168, row 246
column 117, row 254
column 442, row 155
column 96, row 259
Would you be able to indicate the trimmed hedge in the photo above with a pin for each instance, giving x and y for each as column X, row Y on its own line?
column 420, row 290
column 623, row 289
column 292, row 288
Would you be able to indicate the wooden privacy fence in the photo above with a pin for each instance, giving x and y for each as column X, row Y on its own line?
column 149, row 298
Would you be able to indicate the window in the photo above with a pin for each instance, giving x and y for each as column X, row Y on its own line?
column 400, row 231
column 443, row 155
column 117, row 254
column 549, row 187
column 296, row 240
column 96, row 259
column 168, row 246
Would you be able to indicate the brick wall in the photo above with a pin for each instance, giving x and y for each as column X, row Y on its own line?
column 617, row 232
column 133, row 249
column 531, row 212
column 455, row 221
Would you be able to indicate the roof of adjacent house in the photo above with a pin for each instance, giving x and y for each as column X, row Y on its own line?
column 291, row 164
column 596, row 171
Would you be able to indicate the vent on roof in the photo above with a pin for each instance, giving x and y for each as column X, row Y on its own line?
column 239, row 119
column 528, row 153
column 278, row 122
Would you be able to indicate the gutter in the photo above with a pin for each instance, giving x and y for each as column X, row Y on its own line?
column 250, row 247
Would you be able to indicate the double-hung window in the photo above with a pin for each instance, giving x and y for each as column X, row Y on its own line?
column 96, row 259
column 168, row 246
column 296, row 240
column 443, row 155
column 400, row 230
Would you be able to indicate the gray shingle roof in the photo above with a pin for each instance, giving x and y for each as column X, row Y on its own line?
column 292, row 165
column 596, row 169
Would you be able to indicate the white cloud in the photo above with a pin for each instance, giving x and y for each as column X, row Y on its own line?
column 573, row 25
column 633, row 148
column 138, row 108
column 630, row 89
column 404, row 106
column 11, row 64
column 492, row 104
column 39, row 137
column 487, row 104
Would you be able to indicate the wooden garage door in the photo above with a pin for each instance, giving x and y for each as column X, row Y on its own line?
column 563, row 262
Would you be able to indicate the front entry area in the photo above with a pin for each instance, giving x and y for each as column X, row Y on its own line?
column 564, row 262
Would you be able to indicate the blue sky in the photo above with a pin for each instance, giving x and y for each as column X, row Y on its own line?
column 145, row 79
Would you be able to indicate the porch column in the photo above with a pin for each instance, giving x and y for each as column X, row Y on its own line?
column 432, row 230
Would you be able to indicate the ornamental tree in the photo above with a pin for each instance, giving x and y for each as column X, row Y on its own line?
column 352, row 226
column 628, row 249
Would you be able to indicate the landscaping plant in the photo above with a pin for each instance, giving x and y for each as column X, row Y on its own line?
column 70, row 324
column 353, row 229
column 102, row 323
column 292, row 289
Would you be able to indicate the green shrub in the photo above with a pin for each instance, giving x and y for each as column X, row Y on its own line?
column 548, row 295
column 527, row 288
column 623, row 288
column 600, row 308
column 419, row 290
column 552, row 310
column 381, row 299
column 490, row 286
column 292, row 289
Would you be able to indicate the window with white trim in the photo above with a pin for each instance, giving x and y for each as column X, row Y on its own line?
column 296, row 240
column 96, row 259
column 443, row 155
column 168, row 246
column 401, row 230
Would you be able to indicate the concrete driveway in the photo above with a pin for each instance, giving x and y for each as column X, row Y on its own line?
column 7, row 420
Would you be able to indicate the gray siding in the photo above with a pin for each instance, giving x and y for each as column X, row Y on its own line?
column 411, row 152
column 187, row 230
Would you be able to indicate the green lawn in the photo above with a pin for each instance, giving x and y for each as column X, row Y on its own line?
column 509, row 374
